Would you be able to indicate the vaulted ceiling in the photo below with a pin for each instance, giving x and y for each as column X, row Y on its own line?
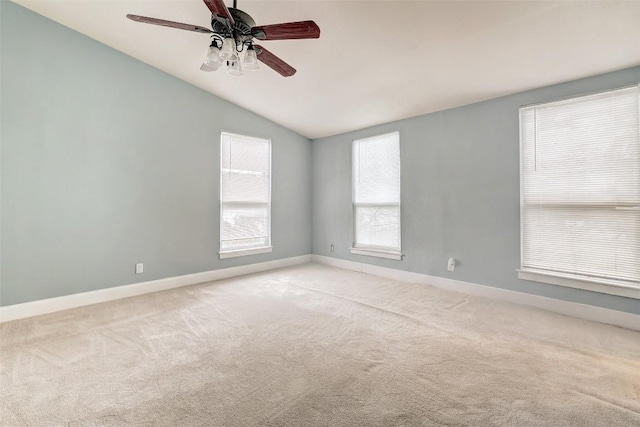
column 376, row 61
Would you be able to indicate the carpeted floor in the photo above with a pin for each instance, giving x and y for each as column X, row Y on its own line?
column 316, row 346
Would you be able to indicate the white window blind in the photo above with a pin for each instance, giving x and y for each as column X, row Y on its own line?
column 581, row 187
column 376, row 192
column 245, row 192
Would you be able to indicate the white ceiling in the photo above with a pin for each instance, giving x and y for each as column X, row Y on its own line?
column 376, row 61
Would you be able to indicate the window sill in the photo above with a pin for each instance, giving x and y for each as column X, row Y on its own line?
column 245, row 252
column 611, row 287
column 395, row 255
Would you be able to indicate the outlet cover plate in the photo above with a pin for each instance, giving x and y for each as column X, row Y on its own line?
column 451, row 265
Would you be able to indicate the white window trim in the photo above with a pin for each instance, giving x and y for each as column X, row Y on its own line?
column 594, row 284
column 251, row 251
column 379, row 253
column 392, row 253
column 245, row 252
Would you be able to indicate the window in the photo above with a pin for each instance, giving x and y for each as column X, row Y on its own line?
column 245, row 195
column 376, row 196
column 580, row 190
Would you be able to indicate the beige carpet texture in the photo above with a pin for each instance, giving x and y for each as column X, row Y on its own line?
column 316, row 346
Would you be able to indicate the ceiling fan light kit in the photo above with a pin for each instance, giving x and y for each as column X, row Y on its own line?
column 232, row 32
column 213, row 60
column 251, row 59
column 228, row 51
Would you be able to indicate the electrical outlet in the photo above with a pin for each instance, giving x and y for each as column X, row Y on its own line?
column 451, row 265
column 332, row 247
column 139, row 268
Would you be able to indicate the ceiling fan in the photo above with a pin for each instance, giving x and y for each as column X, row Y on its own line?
column 233, row 31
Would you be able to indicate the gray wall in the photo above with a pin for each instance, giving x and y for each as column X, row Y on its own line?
column 107, row 162
column 460, row 192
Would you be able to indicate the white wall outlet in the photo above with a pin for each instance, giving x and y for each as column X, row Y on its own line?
column 332, row 248
column 139, row 268
column 451, row 265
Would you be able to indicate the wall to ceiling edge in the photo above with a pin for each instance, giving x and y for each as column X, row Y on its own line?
column 460, row 192
column 107, row 162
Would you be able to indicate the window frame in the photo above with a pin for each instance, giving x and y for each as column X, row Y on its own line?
column 594, row 284
column 224, row 254
column 375, row 250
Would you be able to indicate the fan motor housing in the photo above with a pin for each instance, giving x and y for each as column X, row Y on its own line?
column 241, row 28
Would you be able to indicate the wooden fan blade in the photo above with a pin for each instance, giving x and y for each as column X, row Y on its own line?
column 287, row 31
column 270, row 60
column 218, row 8
column 162, row 22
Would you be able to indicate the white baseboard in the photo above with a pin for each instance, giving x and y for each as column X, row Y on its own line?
column 36, row 308
column 582, row 311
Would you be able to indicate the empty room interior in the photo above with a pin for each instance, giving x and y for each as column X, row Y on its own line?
column 319, row 213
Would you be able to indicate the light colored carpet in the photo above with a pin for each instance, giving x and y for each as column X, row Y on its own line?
column 316, row 346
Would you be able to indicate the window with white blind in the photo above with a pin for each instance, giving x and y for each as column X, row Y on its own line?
column 245, row 195
column 376, row 196
column 580, row 190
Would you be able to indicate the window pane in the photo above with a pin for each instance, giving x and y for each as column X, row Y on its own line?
column 244, row 227
column 245, row 185
column 378, row 226
column 581, row 186
column 376, row 191
column 245, row 153
column 593, row 242
column 585, row 150
column 377, row 169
